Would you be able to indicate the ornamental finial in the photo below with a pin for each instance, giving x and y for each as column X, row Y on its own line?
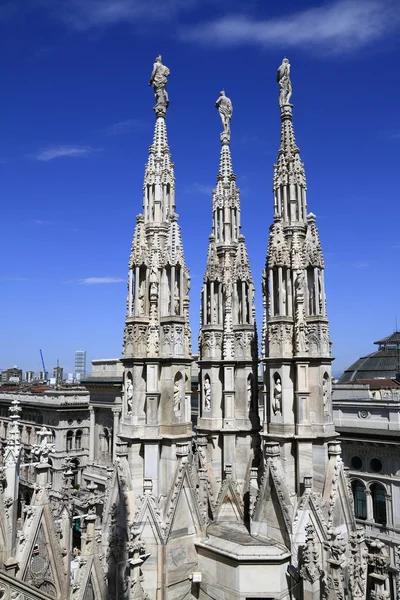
column 159, row 82
column 285, row 85
column 225, row 109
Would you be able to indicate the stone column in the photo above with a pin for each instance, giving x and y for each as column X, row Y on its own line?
column 92, row 433
column 130, row 291
column 116, row 412
column 370, row 508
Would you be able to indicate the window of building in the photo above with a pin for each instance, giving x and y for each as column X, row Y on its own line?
column 356, row 462
column 360, row 500
column 70, row 436
column 378, row 494
column 375, row 465
column 78, row 439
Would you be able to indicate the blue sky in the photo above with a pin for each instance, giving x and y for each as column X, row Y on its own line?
column 77, row 120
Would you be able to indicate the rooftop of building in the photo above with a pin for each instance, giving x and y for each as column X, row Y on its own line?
column 382, row 365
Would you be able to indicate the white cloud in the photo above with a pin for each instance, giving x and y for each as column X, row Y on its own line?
column 340, row 26
column 97, row 280
column 125, row 126
column 85, row 14
column 62, row 151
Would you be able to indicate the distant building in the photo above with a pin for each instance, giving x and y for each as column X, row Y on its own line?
column 13, row 375
column 29, row 376
column 80, row 364
column 366, row 410
column 43, row 375
column 58, row 374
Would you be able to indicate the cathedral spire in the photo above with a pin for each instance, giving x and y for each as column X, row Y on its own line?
column 295, row 328
column 228, row 362
column 157, row 332
column 289, row 176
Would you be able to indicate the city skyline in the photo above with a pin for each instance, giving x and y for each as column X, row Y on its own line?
column 75, row 165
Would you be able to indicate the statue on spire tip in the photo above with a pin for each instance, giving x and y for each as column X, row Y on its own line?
column 285, row 85
column 158, row 80
column 225, row 109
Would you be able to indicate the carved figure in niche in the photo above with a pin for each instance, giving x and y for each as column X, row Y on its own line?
column 208, row 311
column 177, row 397
column 325, row 391
column 249, row 391
column 129, row 394
column 207, row 394
column 283, row 291
column 277, row 402
column 158, row 80
column 153, row 341
column 153, row 281
column 177, row 306
column 285, row 85
column 301, row 342
column 299, row 286
column 225, row 109
column 141, row 298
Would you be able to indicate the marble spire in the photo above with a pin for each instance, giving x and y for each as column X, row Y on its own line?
column 295, row 326
column 227, row 336
column 157, row 337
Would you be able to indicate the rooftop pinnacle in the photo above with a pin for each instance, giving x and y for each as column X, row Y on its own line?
column 158, row 80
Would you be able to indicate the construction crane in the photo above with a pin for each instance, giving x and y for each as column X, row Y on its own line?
column 44, row 368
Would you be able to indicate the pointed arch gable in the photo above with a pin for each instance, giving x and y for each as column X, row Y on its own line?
column 92, row 579
column 186, row 501
column 41, row 559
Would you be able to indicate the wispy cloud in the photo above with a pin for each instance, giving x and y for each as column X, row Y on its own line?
column 62, row 151
column 41, row 222
column 14, row 279
column 86, row 14
column 199, row 188
column 97, row 280
column 125, row 126
column 337, row 27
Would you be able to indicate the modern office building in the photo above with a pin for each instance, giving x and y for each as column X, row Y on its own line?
column 80, row 364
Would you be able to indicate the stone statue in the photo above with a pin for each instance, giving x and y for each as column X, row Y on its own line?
column 141, row 298
column 153, row 281
column 158, row 80
column 225, row 110
column 177, row 397
column 299, row 285
column 285, row 85
column 207, row 394
column 249, row 391
column 277, row 403
column 176, row 299
column 129, row 394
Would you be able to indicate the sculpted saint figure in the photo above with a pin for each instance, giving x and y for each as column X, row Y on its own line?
column 207, row 394
column 299, row 285
column 129, row 394
column 225, row 110
column 277, row 403
column 285, row 85
column 158, row 80
column 177, row 397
